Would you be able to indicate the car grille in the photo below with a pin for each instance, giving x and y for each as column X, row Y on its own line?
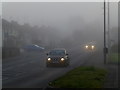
column 55, row 59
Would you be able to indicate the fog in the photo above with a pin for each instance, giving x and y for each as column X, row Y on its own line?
column 47, row 13
column 66, row 23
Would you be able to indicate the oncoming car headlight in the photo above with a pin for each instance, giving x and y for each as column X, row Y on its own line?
column 62, row 59
column 86, row 46
column 93, row 47
column 49, row 59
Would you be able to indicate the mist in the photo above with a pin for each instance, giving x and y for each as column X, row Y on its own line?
column 41, row 42
column 59, row 24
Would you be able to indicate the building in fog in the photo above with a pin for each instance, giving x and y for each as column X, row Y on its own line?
column 10, row 34
column 14, row 35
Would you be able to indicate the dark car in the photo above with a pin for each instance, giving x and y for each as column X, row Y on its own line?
column 32, row 48
column 57, row 57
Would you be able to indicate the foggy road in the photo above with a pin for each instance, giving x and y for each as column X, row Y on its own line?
column 30, row 71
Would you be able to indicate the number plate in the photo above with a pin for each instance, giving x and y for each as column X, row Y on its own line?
column 55, row 62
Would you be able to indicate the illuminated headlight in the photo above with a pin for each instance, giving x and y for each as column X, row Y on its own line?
column 49, row 59
column 86, row 46
column 93, row 47
column 62, row 59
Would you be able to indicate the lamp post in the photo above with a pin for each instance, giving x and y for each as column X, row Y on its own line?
column 108, row 26
column 118, row 27
column 105, row 49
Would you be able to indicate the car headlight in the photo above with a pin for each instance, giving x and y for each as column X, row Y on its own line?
column 62, row 59
column 86, row 46
column 49, row 59
column 93, row 47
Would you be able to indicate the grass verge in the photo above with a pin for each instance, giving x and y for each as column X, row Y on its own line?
column 81, row 77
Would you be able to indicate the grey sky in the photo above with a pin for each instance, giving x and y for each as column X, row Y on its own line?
column 47, row 13
column 50, row 12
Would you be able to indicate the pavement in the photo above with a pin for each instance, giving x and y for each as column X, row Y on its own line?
column 112, row 76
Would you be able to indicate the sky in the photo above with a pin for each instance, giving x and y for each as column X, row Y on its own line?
column 48, row 13
column 59, row 0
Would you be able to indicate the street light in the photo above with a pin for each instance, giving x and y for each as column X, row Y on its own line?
column 105, row 49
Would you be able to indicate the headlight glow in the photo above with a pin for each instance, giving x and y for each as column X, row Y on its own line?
column 49, row 59
column 93, row 47
column 62, row 59
column 86, row 46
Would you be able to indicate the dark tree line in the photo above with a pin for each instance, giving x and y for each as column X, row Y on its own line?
column 16, row 36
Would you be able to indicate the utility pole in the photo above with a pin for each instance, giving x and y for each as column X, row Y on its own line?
column 105, row 49
column 109, row 42
column 118, row 26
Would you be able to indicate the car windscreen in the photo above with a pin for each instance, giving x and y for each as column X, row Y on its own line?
column 57, row 52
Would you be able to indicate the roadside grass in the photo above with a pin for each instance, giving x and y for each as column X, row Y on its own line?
column 81, row 77
column 113, row 58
